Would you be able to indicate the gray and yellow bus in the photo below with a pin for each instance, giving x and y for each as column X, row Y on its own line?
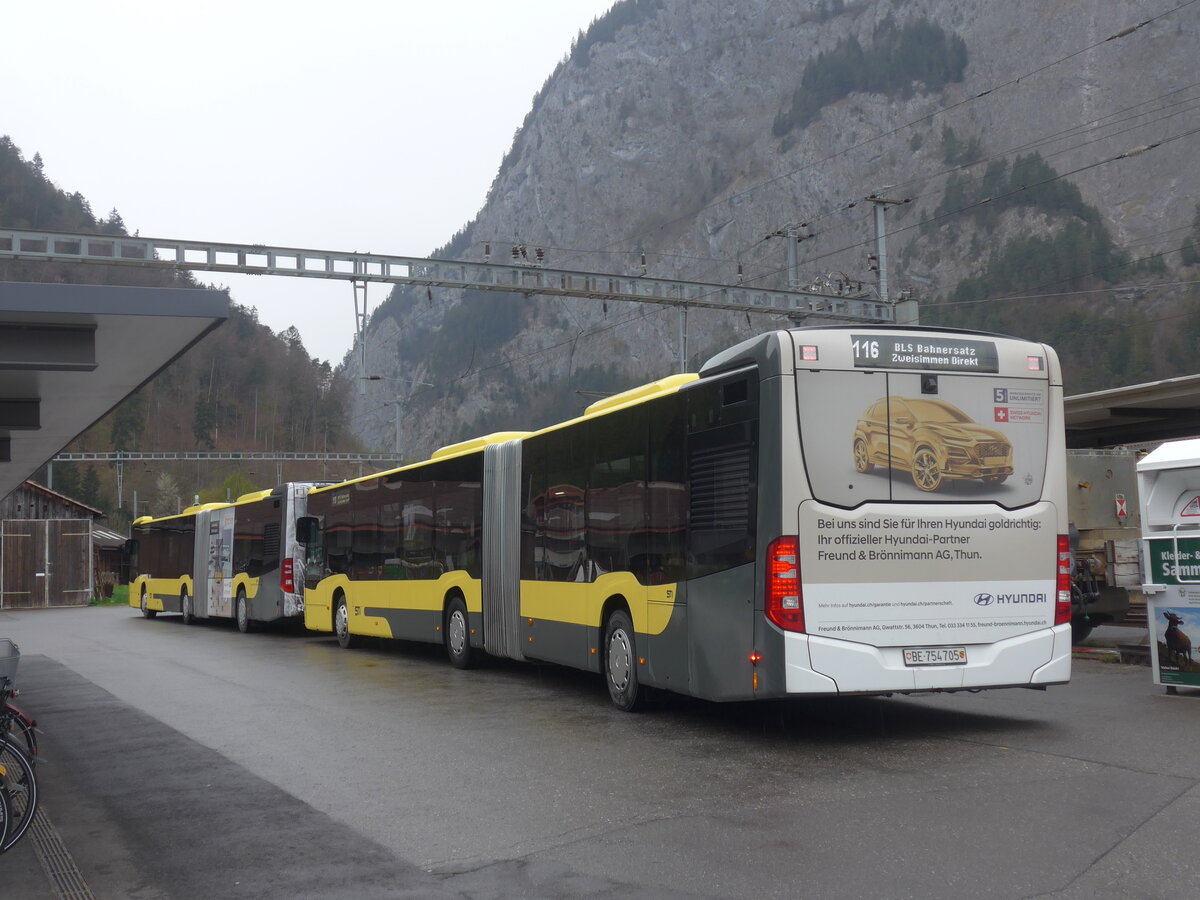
column 222, row 560
column 834, row 510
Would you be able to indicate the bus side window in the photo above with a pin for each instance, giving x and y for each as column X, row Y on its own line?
column 366, row 553
column 459, row 508
column 131, row 555
column 667, row 491
column 416, row 526
column 563, row 535
column 336, row 536
column 533, row 474
column 308, row 533
column 616, row 494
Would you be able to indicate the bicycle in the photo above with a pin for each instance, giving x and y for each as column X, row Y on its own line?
column 15, row 725
column 18, row 785
column 18, row 781
column 5, row 809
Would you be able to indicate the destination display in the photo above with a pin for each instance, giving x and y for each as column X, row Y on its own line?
column 875, row 351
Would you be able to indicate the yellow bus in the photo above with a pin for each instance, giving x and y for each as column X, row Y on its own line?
column 222, row 560
column 835, row 510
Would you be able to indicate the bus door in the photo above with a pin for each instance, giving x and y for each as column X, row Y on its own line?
column 555, row 572
column 216, row 542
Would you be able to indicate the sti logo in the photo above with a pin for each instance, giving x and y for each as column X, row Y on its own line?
column 983, row 599
column 999, row 395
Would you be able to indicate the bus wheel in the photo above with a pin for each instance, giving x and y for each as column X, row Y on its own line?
column 862, row 458
column 620, row 661
column 185, row 606
column 146, row 610
column 341, row 622
column 1080, row 630
column 926, row 473
column 241, row 612
column 458, row 635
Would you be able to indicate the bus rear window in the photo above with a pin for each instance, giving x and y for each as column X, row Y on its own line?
column 921, row 438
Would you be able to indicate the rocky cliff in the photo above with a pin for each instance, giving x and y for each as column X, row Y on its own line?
column 688, row 131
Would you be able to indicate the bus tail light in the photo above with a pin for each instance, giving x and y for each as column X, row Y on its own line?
column 1062, row 605
column 783, row 606
column 287, row 577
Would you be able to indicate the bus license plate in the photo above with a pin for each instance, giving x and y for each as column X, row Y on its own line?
column 935, row 656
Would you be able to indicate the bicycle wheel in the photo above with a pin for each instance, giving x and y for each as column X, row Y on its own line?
column 5, row 814
column 20, row 781
column 20, row 729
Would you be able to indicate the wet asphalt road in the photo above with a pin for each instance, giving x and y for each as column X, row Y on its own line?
column 198, row 762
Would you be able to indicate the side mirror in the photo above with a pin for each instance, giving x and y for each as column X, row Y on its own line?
column 308, row 528
column 131, row 547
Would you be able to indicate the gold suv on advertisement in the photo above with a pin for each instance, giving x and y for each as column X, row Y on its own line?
column 932, row 439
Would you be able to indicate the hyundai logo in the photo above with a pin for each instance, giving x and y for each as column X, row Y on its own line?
column 983, row 599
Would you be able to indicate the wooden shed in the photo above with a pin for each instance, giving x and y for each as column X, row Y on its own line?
column 47, row 557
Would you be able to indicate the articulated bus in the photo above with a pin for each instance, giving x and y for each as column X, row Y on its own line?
column 231, row 560
column 832, row 510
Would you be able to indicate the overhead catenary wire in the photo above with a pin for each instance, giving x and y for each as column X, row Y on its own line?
column 1014, row 81
column 619, row 323
column 1003, row 298
column 1079, row 276
column 1030, row 145
column 759, row 277
column 611, row 249
column 1127, row 154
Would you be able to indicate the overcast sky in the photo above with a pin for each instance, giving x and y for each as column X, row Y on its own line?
column 351, row 125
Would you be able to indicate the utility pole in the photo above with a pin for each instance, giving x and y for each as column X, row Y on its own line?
column 792, row 233
column 683, row 339
column 906, row 312
column 360, row 319
column 396, row 445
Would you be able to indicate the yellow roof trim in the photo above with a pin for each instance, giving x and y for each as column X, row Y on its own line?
column 496, row 437
column 253, row 496
column 459, row 449
column 624, row 400
column 631, row 397
column 190, row 511
column 667, row 385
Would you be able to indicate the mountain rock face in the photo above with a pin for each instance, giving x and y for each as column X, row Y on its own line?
column 688, row 131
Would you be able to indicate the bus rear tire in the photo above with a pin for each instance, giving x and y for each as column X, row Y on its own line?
column 620, row 661
column 458, row 635
column 241, row 613
column 1080, row 631
column 146, row 610
column 341, row 623
column 185, row 606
